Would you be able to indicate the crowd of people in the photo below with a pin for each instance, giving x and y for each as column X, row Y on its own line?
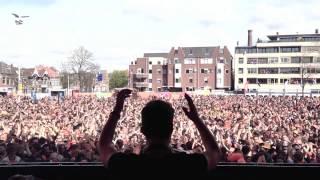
column 263, row 129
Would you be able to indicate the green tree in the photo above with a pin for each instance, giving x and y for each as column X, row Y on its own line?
column 118, row 79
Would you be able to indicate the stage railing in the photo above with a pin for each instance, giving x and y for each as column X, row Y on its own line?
column 98, row 171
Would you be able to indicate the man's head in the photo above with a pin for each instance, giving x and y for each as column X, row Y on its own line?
column 157, row 120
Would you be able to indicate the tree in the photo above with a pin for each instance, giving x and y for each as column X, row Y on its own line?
column 80, row 68
column 118, row 79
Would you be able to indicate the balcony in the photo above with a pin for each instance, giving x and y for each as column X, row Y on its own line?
column 140, row 84
column 140, row 75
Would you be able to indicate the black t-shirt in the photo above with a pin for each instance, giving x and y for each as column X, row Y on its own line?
column 173, row 165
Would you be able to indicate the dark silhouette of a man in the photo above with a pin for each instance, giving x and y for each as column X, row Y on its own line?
column 157, row 159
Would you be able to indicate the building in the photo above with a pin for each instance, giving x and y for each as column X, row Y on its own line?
column 182, row 69
column 283, row 63
column 41, row 78
column 8, row 78
column 102, row 82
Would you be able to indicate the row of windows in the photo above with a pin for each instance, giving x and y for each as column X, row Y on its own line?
column 275, row 60
column 204, row 61
column 260, row 81
column 250, row 50
column 284, row 70
column 7, row 81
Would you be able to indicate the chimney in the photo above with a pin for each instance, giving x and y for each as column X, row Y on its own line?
column 317, row 31
column 237, row 43
column 249, row 37
column 277, row 33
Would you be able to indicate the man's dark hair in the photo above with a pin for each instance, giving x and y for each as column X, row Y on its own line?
column 157, row 119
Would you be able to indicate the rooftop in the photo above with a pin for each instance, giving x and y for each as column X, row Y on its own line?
column 155, row 55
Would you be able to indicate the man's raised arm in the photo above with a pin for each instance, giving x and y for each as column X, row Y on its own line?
column 106, row 148
column 212, row 148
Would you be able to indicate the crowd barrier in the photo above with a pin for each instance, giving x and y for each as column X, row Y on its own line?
column 97, row 171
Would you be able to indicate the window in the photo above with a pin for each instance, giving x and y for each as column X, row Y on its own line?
column 240, row 60
column 289, row 70
column 262, row 81
column 227, row 71
column 164, row 71
column 206, row 61
column 177, row 80
column 190, row 80
column 273, row 60
column 142, row 70
column 159, row 71
column 285, row 59
column 189, row 61
column 206, row 80
column 252, row 61
column 221, row 60
column 159, row 89
column 295, row 60
column 150, row 71
column 189, row 71
column 221, row 51
column 289, row 49
column 159, row 62
column 177, row 70
column 189, row 88
column 240, row 80
column 3, row 80
column 240, row 70
column 150, row 62
column 207, row 51
column 219, row 71
column 262, row 60
column 150, row 80
column 317, row 59
column 268, row 50
column 8, row 81
column 273, row 81
column 190, row 51
column 252, row 80
column 150, row 89
column 204, row 71
column 252, row 70
column 159, row 81
column 219, row 80
column 282, row 81
column 307, row 60
column 268, row 70
column 176, row 61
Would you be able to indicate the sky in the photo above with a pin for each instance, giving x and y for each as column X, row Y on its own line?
column 119, row 31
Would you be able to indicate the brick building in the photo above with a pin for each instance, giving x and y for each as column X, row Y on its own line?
column 182, row 69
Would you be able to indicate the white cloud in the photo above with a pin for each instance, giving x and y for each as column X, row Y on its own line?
column 119, row 31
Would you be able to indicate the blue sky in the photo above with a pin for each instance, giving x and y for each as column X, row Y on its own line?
column 122, row 30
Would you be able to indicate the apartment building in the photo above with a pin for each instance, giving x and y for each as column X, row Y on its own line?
column 282, row 63
column 8, row 77
column 182, row 69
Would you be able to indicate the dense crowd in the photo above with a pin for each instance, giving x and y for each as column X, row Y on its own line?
column 260, row 129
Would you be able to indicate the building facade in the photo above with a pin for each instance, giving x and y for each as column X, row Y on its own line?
column 42, row 79
column 8, row 78
column 102, row 82
column 282, row 63
column 182, row 69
